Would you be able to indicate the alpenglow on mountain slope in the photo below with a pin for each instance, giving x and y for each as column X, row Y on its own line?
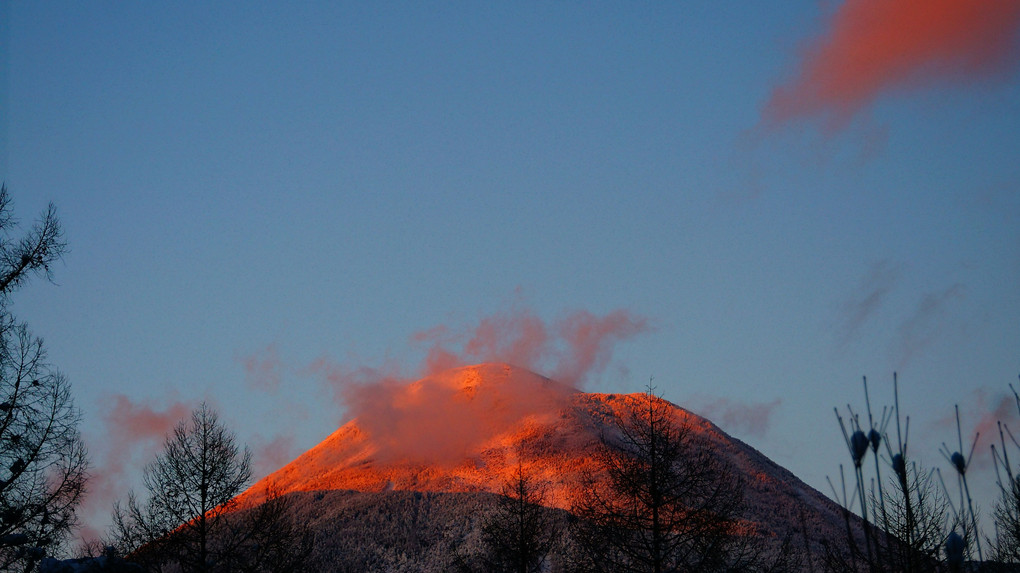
column 467, row 430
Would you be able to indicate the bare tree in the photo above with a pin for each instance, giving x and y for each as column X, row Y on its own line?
column 1006, row 514
column 521, row 532
column 266, row 538
column 33, row 253
column 1006, row 546
column 668, row 502
column 191, row 520
column 192, row 485
column 43, row 460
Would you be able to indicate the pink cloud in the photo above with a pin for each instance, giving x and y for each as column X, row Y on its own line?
column 133, row 434
column 439, row 422
column 570, row 349
column 590, row 340
column 875, row 46
column 517, row 338
column 980, row 415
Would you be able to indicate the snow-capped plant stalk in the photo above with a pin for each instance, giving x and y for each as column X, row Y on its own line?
column 1007, row 509
column 898, row 461
column 875, row 435
column 904, row 527
column 960, row 464
column 857, row 443
column 846, row 505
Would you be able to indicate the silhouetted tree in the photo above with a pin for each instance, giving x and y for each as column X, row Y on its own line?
column 266, row 539
column 191, row 485
column 1006, row 547
column 907, row 531
column 1006, row 514
column 104, row 560
column 43, row 461
column 191, row 520
column 668, row 502
column 520, row 533
column 905, row 520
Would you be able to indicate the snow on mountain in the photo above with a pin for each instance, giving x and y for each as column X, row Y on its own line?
column 466, row 430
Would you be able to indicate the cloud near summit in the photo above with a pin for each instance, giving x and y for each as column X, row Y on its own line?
column 873, row 47
column 568, row 350
column 434, row 422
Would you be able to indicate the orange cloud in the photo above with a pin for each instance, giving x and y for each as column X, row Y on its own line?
column 874, row 46
column 443, row 418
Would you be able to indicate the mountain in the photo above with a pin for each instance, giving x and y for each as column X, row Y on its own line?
column 449, row 442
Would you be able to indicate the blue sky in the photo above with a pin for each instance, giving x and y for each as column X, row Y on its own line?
column 249, row 189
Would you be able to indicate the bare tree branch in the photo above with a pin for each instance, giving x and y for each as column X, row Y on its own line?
column 43, row 461
column 191, row 521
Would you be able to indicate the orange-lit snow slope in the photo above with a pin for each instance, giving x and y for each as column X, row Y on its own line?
column 467, row 429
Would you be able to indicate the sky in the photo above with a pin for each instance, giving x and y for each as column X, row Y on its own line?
column 750, row 205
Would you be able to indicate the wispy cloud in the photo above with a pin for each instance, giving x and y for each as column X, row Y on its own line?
column 867, row 299
column 262, row 369
column 269, row 455
column 874, row 47
column 570, row 349
column 736, row 416
column 133, row 434
column 926, row 323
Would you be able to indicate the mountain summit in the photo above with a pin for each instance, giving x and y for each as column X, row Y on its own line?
column 461, row 430
column 467, row 430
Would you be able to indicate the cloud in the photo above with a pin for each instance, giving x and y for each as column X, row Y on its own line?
column 571, row 349
column 988, row 409
column 340, row 377
column 590, row 340
column 735, row 416
column 271, row 455
column 516, row 336
column 869, row 296
column 133, row 434
column 262, row 369
column 440, row 421
column 444, row 419
column 873, row 47
column 926, row 323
